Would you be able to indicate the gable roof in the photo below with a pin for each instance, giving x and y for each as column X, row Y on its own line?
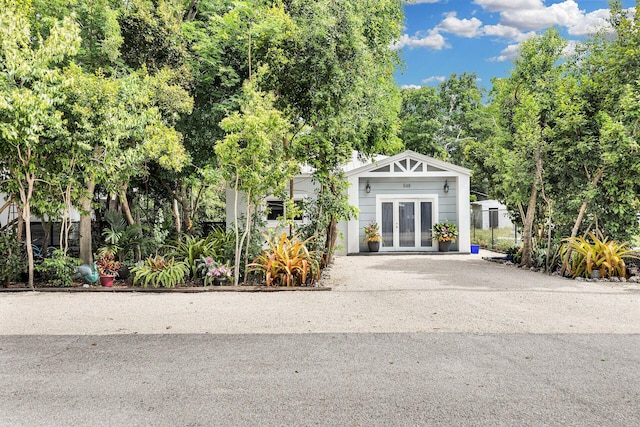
column 407, row 162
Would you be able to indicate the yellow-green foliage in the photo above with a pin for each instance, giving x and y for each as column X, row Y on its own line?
column 581, row 257
column 287, row 262
column 159, row 271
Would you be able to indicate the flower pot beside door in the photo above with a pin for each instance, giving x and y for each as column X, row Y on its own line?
column 444, row 245
column 373, row 246
column 446, row 233
column 372, row 236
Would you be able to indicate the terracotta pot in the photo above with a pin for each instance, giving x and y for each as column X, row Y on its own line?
column 106, row 280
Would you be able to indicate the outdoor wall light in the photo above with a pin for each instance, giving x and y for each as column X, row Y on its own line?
column 367, row 188
column 446, row 186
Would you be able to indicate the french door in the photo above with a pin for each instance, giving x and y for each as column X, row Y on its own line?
column 406, row 223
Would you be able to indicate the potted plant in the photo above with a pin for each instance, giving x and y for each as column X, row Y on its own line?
column 372, row 236
column 219, row 274
column 108, row 266
column 445, row 232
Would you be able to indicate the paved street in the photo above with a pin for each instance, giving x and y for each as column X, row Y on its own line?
column 453, row 341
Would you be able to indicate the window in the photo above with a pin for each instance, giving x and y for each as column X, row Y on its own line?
column 276, row 209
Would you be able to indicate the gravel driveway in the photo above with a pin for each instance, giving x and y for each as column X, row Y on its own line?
column 394, row 293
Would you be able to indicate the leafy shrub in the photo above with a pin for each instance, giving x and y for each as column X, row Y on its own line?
column 126, row 241
column 11, row 262
column 223, row 245
column 582, row 257
column 59, row 269
column 159, row 271
column 191, row 249
column 287, row 262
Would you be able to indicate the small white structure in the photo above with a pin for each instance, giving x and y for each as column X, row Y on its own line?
column 487, row 214
column 405, row 194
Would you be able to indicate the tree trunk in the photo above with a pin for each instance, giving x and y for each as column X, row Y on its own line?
column 583, row 208
column 46, row 227
column 236, row 267
column 177, row 223
column 292, row 201
column 248, row 241
column 25, row 198
column 124, row 202
column 330, row 242
column 527, row 240
column 86, row 251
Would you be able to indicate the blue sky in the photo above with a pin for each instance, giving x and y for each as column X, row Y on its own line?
column 441, row 37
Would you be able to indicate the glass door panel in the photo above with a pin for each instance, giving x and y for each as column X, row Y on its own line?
column 387, row 224
column 426, row 223
column 407, row 222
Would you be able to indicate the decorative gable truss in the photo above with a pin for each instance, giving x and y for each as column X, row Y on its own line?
column 408, row 165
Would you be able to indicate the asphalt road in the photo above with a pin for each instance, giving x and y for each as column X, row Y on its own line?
column 399, row 379
column 399, row 341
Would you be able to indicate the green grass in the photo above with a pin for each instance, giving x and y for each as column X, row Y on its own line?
column 502, row 238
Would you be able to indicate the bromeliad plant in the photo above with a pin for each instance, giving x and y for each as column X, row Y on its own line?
column 159, row 271
column 582, row 257
column 210, row 270
column 287, row 262
column 107, row 263
column 372, row 232
column 445, row 231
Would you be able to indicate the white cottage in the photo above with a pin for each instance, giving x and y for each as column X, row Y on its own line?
column 406, row 194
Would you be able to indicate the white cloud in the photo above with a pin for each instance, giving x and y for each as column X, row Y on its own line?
column 563, row 14
column 434, row 79
column 508, row 54
column 410, row 87
column 502, row 31
column 590, row 23
column 501, row 5
column 433, row 40
column 460, row 27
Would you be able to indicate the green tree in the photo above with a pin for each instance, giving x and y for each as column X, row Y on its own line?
column 421, row 119
column 525, row 103
column 596, row 133
column 333, row 74
column 31, row 127
column 253, row 157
